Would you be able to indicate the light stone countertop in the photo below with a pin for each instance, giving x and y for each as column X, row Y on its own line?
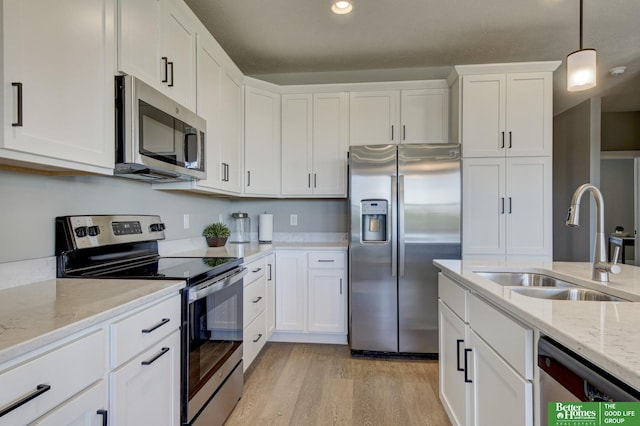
column 37, row 314
column 606, row 333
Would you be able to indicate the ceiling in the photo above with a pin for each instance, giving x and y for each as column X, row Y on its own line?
column 302, row 42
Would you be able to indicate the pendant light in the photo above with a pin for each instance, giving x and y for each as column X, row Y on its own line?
column 341, row 7
column 581, row 66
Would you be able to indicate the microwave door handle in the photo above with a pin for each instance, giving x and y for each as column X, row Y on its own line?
column 190, row 139
column 153, row 173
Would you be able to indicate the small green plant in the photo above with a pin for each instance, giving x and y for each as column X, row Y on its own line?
column 216, row 230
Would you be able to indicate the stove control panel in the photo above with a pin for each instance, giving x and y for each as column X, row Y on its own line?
column 101, row 230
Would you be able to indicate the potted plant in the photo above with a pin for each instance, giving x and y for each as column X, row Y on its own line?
column 216, row 234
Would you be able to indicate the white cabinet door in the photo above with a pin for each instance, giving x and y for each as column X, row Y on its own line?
column 374, row 117
column 330, row 133
column 484, row 206
column 146, row 390
column 179, row 47
column 327, row 301
column 58, row 86
column 425, row 116
column 271, row 294
column 139, row 35
column 89, row 408
column 455, row 393
column 529, row 114
column 291, row 294
column 297, row 154
column 232, row 132
column 529, row 228
column 483, row 115
column 209, row 100
column 500, row 396
column 261, row 142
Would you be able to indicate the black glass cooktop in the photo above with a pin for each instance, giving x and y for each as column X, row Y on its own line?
column 193, row 270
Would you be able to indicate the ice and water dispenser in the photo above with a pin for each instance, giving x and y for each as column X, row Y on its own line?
column 374, row 220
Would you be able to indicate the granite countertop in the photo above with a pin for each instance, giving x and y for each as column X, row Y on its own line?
column 37, row 314
column 602, row 332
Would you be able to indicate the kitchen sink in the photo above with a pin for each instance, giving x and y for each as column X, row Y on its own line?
column 567, row 294
column 524, row 279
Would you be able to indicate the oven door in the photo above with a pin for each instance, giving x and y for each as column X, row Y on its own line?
column 212, row 338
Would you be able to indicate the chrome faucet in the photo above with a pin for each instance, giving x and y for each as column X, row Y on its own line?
column 601, row 267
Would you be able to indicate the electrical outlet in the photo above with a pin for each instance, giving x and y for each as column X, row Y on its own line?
column 186, row 221
column 293, row 220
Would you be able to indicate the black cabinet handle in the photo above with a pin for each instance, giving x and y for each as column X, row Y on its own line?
column 258, row 338
column 404, row 132
column 309, row 180
column 256, row 270
column 340, row 285
column 19, row 105
column 269, row 276
column 466, row 366
column 166, row 69
column 510, row 140
column 315, row 180
column 155, row 357
column 257, row 299
column 325, row 260
column 392, row 132
column 226, row 165
column 458, row 341
column 40, row 389
column 104, row 414
column 510, row 205
column 171, row 66
column 502, row 139
column 162, row 322
column 502, row 202
column 248, row 177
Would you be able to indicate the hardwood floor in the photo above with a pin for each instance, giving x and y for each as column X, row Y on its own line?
column 310, row 384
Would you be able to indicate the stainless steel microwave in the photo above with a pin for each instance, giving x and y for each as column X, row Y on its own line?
column 157, row 139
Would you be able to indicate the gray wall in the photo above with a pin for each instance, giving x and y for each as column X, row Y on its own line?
column 617, row 186
column 621, row 131
column 576, row 160
column 30, row 202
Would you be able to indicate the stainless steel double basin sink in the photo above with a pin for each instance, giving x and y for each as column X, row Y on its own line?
column 542, row 286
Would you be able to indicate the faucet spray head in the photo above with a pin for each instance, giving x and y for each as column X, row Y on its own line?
column 573, row 218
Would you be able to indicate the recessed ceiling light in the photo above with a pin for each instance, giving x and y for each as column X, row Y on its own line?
column 342, row 7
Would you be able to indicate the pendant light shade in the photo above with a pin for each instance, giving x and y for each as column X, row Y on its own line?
column 581, row 66
column 581, row 70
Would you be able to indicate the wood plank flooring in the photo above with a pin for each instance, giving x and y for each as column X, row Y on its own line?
column 310, row 384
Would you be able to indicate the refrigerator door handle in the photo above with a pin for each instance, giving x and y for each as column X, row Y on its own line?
column 401, row 223
column 394, row 225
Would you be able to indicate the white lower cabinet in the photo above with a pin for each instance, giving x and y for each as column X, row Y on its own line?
column 254, row 311
column 86, row 409
column 311, row 296
column 146, row 390
column 486, row 361
column 271, row 293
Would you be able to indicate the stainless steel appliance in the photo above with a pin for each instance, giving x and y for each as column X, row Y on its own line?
column 567, row 377
column 157, row 139
column 125, row 246
column 404, row 206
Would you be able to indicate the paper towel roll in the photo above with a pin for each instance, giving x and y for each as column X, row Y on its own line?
column 265, row 228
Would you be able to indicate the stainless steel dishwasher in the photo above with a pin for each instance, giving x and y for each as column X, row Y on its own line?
column 567, row 377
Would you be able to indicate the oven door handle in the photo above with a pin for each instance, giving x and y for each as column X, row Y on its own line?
column 203, row 290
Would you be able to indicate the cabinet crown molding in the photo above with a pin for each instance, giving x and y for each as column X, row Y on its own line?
column 507, row 68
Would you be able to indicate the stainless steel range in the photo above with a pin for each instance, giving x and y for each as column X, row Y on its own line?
column 126, row 246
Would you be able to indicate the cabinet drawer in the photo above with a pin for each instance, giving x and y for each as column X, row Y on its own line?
column 510, row 339
column 327, row 259
column 254, row 338
column 453, row 295
column 136, row 333
column 255, row 270
column 67, row 370
column 254, row 300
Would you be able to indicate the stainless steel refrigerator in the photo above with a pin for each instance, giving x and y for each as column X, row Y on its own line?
column 404, row 206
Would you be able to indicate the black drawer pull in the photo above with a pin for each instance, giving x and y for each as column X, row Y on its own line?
column 257, row 270
column 466, row 366
column 19, row 122
column 458, row 341
column 166, row 69
column 155, row 357
column 104, row 414
column 326, row 260
column 258, row 338
column 40, row 389
column 257, row 299
column 155, row 327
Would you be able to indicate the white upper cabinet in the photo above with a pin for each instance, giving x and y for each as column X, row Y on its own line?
column 157, row 43
column 507, row 114
column 231, row 154
column 314, row 144
column 261, row 142
column 399, row 116
column 58, row 86
column 374, row 117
